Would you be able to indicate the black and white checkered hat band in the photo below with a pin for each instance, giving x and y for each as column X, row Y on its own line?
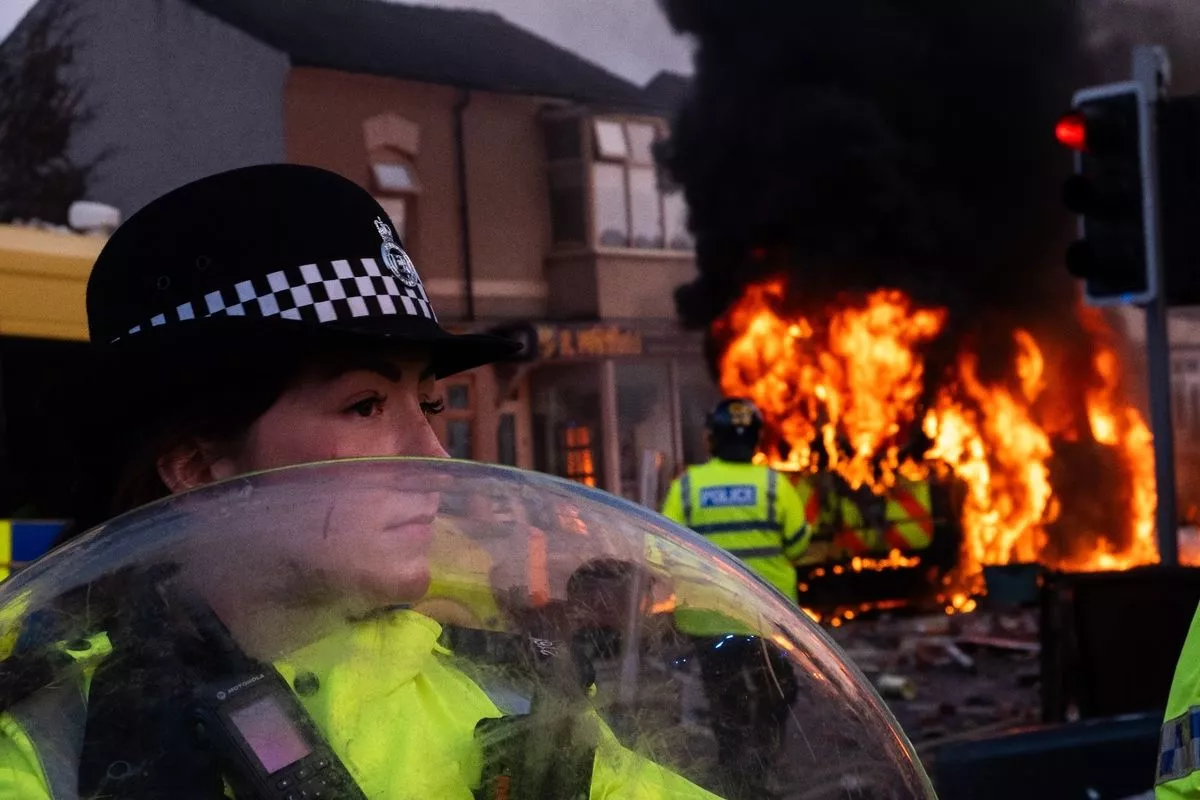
column 334, row 292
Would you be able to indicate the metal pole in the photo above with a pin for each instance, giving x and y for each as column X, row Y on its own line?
column 1151, row 69
column 608, row 424
column 1158, row 351
column 676, row 416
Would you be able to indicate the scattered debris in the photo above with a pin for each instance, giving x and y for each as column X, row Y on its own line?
column 1001, row 643
column 896, row 686
column 950, row 678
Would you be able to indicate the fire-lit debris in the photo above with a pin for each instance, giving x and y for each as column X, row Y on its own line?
column 948, row 678
column 1054, row 461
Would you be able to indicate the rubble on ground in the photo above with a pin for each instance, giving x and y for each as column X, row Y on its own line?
column 950, row 678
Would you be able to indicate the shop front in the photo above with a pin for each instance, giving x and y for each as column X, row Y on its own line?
column 618, row 406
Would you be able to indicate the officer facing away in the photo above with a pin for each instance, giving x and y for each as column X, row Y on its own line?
column 740, row 506
column 757, row 516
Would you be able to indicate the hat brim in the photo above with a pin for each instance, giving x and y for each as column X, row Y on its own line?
column 449, row 353
column 253, row 337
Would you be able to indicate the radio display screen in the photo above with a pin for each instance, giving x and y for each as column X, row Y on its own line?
column 275, row 739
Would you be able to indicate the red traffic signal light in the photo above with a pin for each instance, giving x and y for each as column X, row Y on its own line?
column 1071, row 131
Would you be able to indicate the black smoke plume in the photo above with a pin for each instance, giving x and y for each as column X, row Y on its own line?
column 858, row 144
column 863, row 143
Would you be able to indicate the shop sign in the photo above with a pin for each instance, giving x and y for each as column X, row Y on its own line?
column 558, row 342
column 596, row 341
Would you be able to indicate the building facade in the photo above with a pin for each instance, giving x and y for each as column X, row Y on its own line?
column 521, row 177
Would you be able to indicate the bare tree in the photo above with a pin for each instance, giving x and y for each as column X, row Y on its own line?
column 42, row 107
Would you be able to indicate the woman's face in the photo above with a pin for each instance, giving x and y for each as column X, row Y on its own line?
column 371, row 407
column 365, row 541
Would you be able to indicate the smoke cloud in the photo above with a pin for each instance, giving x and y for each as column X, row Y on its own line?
column 851, row 145
column 908, row 143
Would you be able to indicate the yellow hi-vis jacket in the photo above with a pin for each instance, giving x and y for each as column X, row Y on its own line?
column 399, row 715
column 1178, row 769
column 748, row 510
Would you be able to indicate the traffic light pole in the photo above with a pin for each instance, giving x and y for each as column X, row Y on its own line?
column 1151, row 69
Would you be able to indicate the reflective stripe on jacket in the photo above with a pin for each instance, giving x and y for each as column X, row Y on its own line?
column 1178, row 768
column 820, row 546
column 401, row 717
column 904, row 521
column 748, row 510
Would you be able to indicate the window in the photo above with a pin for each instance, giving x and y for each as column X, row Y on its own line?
column 458, row 438
column 397, row 189
column 645, row 208
column 610, row 140
column 625, row 182
column 506, row 439
column 641, row 143
column 455, row 426
column 458, row 397
column 395, row 177
column 577, row 447
column 392, row 144
column 628, row 206
column 675, row 222
column 612, row 213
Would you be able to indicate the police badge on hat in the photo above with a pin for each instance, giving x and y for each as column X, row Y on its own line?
column 394, row 256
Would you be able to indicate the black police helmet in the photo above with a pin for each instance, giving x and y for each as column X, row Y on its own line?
column 260, row 256
column 734, row 428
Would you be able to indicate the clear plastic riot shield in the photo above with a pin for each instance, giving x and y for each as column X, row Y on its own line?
column 422, row 629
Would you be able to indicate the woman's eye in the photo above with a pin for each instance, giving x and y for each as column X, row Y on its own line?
column 432, row 408
column 370, row 407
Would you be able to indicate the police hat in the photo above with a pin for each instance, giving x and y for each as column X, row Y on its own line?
column 262, row 254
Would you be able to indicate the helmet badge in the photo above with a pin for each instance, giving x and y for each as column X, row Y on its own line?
column 394, row 257
column 741, row 414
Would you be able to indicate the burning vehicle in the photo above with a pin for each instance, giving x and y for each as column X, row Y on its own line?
column 876, row 196
column 944, row 472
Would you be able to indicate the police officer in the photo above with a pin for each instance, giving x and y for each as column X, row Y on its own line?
column 755, row 514
column 1178, row 768
column 262, row 318
column 742, row 507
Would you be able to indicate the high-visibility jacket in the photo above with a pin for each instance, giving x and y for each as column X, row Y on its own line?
column 748, row 510
column 1178, row 769
column 906, row 523
column 820, row 547
column 400, row 716
column 460, row 591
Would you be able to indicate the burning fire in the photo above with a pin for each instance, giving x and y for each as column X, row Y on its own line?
column 1034, row 449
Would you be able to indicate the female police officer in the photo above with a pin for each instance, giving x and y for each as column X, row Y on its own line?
column 261, row 318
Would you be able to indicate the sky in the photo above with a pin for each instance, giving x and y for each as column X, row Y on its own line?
column 629, row 37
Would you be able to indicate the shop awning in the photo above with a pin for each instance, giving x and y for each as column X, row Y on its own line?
column 43, row 282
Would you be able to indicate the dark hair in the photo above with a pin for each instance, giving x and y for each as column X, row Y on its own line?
column 213, row 396
column 116, row 465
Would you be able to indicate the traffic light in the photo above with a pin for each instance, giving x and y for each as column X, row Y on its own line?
column 1108, row 130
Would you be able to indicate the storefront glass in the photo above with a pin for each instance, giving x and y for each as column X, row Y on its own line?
column 697, row 396
column 659, row 425
column 567, row 422
column 646, row 427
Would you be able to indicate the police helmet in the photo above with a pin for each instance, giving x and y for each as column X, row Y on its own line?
column 734, row 427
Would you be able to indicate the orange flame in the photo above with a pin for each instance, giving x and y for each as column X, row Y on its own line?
column 850, row 380
column 845, row 389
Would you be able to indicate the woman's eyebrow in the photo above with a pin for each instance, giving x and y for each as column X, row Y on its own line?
column 380, row 366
